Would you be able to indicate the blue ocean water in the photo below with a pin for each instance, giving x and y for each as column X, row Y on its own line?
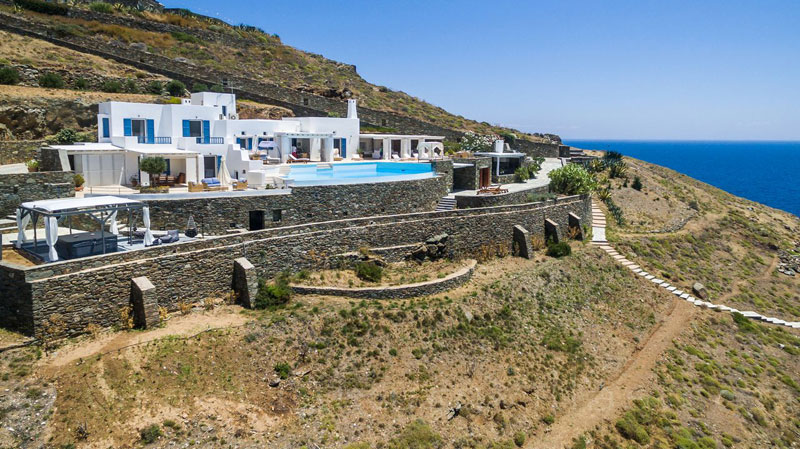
column 766, row 172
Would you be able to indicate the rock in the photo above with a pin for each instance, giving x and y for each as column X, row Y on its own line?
column 453, row 412
column 141, row 46
column 437, row 239
column 274, row 383
column 700, row 290
column 467, row 314
column 183, row 60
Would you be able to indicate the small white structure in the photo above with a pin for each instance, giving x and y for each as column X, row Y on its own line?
column 504, row 161
column 400, row 146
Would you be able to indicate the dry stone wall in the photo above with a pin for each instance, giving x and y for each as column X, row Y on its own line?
column 92, row 292
column 18, row 188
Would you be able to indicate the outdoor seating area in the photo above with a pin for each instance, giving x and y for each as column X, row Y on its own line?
column 493, row 189
column 167, row 180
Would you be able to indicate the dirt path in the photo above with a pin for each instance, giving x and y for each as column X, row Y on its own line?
column 193, row 323
column 618, row 392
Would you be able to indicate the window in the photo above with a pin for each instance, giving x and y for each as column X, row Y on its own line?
column 106, row 130
column 138, row 128
column 384, row 122
column 195, row 128
column 276, row 214
column 305, row 101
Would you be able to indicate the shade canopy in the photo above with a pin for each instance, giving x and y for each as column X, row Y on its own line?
column 64, row 205
column 267, row 144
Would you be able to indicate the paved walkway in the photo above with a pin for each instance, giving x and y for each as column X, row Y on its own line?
column 599, row 239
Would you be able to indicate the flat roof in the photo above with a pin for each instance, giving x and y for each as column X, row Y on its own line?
column 90, row 147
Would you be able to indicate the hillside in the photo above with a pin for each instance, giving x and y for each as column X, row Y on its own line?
column 204, row 50
column 545, row 353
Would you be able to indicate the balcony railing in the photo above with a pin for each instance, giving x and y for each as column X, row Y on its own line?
column 155, row 140
column 206, row 140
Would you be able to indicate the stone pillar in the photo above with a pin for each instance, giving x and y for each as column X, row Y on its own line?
column 387, row 149
column 551, row 231
column 405, row 148
column 522, row 242
column 574, row 221
column 144, row 303
column 245, row 282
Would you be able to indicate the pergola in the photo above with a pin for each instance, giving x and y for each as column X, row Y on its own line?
column 100, row 208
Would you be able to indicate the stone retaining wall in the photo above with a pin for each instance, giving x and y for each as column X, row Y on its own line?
column 19, row 151
column 18, row 188
column 448, row 282
column 469, row 178
column 92, row 290
column 301, row 205
column 524, row 196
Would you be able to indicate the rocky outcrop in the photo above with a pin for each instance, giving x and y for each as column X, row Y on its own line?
column 35, row 118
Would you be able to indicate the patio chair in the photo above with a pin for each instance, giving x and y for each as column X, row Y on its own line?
column 240, row 184
column 294, row 159
column 395, row 157
column 376, row 154
column 195, row 187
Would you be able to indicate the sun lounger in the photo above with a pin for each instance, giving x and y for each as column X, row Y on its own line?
column 293, row 159
column 240, row 184
column 492, row 190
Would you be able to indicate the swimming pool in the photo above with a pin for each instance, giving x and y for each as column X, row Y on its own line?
column 356, row 173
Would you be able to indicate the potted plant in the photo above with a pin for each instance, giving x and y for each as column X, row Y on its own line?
column 78, row 178
column 134, row 180
column 33, row 165
column 153, row 166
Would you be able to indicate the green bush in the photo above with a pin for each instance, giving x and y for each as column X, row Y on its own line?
column 282, row 369
column 416, row 435
column 78, row 179
column 131, row 87
column 559, row 249
column 102, row 7
column 199, row 87
column 369, row 271
column 217, row 88
column 43, row 7
column 66, row 136
column 150, row 434
column 155, row 87
column 548, row 419
column 51, row 80
column 153, row 165
column 111, row 86
column 529, row 170
column 612, row 158
column 185, row 37
column 572, row 179
column 81, row 83
column 273, row 294
column 9, row 75
column 176, row 88
column 617, row 170
column 637, row 183
column 519, row 438
column 630, row 428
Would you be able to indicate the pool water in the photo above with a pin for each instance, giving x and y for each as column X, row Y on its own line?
column 357, row 172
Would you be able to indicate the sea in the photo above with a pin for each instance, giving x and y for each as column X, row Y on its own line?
column 764, row 171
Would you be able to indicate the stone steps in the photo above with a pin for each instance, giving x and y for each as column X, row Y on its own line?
column 446, row 204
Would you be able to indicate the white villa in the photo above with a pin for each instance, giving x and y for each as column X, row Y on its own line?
column 201, row 135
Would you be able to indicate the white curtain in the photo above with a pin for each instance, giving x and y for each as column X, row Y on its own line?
column 21, row 224
column 148, row 236
column 113, row 227
column 51, row 235
column 224, row 175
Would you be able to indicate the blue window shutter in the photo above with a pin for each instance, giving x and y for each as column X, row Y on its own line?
column 343, row 149
column 151, row 131
column 224, row 111
column 206, row 131
column 128, row 127
column 167, row 170
column 219, row 163
column 250, row 143
column 239, row 142
column 186, row 131
column 106, row 131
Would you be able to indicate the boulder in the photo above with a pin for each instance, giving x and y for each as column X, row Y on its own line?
column 140, row 46
column 700, row 290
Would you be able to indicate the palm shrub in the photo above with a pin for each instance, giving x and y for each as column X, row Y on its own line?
column 9, row 75
column 617, row 170
column 572, row 179
column 637, row 183
column 51, row 80
column 612, row 158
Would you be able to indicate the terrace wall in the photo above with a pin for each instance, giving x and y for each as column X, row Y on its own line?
column 20, row 187
column 93, row 290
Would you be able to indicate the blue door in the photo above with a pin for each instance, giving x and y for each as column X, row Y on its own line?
column 151, row 132
column 167, row 170
column 106, row 131
column 343, row 149
column 128, row 127
column 206, row 131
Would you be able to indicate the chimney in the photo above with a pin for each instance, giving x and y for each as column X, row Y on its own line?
column 498, row 146
column 351, row 109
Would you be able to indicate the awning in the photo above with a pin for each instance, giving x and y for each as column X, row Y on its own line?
column 77, row 204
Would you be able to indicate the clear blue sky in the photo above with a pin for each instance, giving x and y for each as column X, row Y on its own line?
column 724, row 69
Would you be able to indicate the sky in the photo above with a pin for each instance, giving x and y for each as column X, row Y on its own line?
column 582, row 69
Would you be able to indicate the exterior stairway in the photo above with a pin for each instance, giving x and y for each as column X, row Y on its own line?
column 446, row 203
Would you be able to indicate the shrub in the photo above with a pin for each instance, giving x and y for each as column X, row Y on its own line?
column 572, row 180
column 66, row 136
column 282, row 369
column 185, row 37
column 416, row 435
column 369, row 271
column 559, row 249
column 9, row 75
column 176, row 88
column 615, row 210
column 51, row 80
column 477, row 142
column 273, row 294
column 153, row 165
column 637, row 183
column 217, row 88
column 111, row 86
column 199, row 87
column 102, row 7
column 150, row 434
column 155, row 87
column 509, row 138
column 617, row 170
column 519, row 438
column 529, row 170
column 81, row 83
column 612, row 158
column 33, row 165
column 130, row 86
column 630, row 428
column 78, row 179
column 548, row 419
column 43, row 7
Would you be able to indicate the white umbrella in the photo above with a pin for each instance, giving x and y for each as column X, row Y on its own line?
column 224, row 176
column 264, row 144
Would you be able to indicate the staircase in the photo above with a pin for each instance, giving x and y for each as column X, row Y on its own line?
column 575, row 152
column 446, row 203
column 8, row 224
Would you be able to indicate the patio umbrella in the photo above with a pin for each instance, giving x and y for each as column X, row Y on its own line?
column 265, row 144
column 224, row 176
